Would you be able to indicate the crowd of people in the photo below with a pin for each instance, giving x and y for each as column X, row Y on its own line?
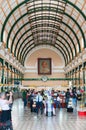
column 44, row 101
column 40, row 100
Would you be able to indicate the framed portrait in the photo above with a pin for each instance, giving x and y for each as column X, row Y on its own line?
column 44, row 66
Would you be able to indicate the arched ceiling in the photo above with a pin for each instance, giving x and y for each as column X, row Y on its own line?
column 44, row 52
column 27, row 24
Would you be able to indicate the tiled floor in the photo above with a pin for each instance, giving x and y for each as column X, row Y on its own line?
column 25, row 120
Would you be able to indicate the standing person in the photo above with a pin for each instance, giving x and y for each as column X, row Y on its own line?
column 6, row 111
column 58, row 104
column 31, row 101
column 39, row 103
column 74, row 97
column 7, row 97
column 67, row 95
column 24, row 94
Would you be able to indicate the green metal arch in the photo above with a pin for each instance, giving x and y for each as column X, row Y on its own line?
column 9, row 15
column 68, row 45
column 67, row 15
column 61, row 30
column 70, row 3
column 1, row 60
column 28, row 30
column 17, row 34
column 22, row 53
column 13, row 27
column 21, row 28
column 21, row 43
column 42, row 44
column 6, row 64
column 62, row 22
column 49, row 45
column 23, row 40
column 73, row 33
column 27, row 43
column 30, row 35
column 66, row 60
column 22, row 50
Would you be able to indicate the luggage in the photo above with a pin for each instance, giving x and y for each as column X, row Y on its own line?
column 70, row 106
column 70, row 109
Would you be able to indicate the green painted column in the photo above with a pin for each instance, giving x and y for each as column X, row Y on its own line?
column 17, row 75
column 85, row 76
column 11, row 74
column 21, row 78
column 8, row 74
column 14, row 74
column 72, row 78
column 79, row 75
column 83, row 65
column 3, row 77
column 0, row 74
column 75, row 77
column 0, row 71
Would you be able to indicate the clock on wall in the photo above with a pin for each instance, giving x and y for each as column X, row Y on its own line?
column 44, row 78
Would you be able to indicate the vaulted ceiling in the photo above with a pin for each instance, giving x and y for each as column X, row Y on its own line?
column 27, row 24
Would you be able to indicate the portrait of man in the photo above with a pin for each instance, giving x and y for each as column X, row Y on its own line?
column 44, row 65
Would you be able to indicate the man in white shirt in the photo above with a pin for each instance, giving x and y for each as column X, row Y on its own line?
column 39, row 103
column 58, row 104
